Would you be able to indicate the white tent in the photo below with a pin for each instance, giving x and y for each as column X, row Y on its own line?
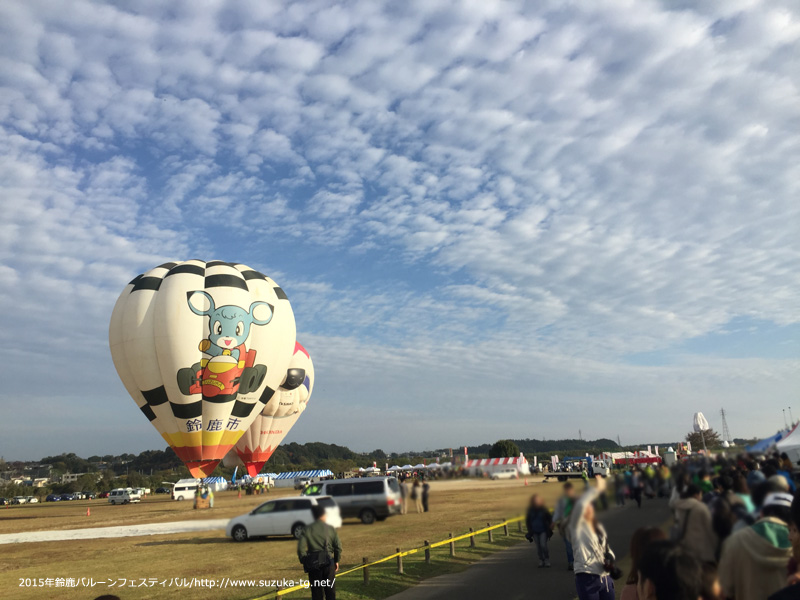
column 371, row 470
column 419, row 466
column 791, row 445
column 407, row 468
column 361, row 469
column 434, row 466
column 394, row 468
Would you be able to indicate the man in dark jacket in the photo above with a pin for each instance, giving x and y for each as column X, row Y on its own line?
column 540, row 527
column 320, row 537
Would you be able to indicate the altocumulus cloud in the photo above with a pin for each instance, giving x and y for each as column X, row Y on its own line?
column 484, row 213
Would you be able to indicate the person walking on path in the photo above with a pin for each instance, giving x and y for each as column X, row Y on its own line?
column 641, row 538
column 404, row 495
column 561, row 519
column 590, row 547
column 425, row 490
column 319, row 551
column 416, row 496
column 539, row 522
column 754, row 559
column 693, row 529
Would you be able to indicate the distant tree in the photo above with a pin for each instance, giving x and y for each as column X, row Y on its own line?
column 712, row 439
column 503, row 448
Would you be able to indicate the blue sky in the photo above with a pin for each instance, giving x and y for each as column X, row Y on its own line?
column 492, row 219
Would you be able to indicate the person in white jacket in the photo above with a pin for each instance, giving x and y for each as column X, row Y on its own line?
column 590, row 548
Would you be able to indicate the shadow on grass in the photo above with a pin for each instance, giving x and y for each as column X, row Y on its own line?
column 385, row 581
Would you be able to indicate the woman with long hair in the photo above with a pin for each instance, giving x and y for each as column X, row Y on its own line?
column 642, row 537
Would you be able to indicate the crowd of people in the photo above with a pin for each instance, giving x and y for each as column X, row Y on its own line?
column 733, row 535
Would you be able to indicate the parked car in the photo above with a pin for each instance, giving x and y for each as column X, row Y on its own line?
column 163, row 490
column 67, row 497
column 301, row 482
column 3, row 501
column 88, row 495
column 32, row 500
column 184, row 489
column 77, row 495
column 103, row 494
column 53, row 498
column 282, row 516
column 510, row 473
column 19, row 500
column 370, row 499
column 123, row 496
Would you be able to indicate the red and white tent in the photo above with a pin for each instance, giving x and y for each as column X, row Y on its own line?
column 489, row 465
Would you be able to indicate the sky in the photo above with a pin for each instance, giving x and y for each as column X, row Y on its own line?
column 493, row 220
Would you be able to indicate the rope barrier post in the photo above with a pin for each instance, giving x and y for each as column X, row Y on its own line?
column 427, row 552
column 505, row 528
column 399, row 562
column 490, row 533
column 519, row 526
column 364, row 561
column 471, row 538
column 452, row 545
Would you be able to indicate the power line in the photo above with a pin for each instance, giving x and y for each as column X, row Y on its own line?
column 726, row 434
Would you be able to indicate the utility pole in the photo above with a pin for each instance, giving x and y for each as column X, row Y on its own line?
column 580, row 435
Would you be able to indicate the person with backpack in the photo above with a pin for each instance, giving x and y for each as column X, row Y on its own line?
column 561, row 520
column 539, row 523
column 319, row 551
column 693, row 529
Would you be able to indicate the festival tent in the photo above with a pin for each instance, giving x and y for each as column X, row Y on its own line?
column 490, row 465
column 287, row 479
column 767, row 443
column 394, row 468
column 217, row 484
column 371, row 470
column 407, row 468
column 790, row 444
column 419, row 466
column 434, row 466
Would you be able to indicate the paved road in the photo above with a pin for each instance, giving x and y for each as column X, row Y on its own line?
column 113, row 532
column 512, row 574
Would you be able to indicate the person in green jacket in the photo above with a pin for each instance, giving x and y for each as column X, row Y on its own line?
column 317, row 537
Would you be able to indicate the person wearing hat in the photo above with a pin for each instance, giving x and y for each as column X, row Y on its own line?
column 319, row 550
column 754, row 559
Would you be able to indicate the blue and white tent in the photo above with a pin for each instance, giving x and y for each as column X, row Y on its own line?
column 311, row 473
column 767, row 443
column 217, row 484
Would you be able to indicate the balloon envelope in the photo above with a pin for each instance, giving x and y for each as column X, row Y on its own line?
column 700, row 422
column 272, row 425
column 202, row 347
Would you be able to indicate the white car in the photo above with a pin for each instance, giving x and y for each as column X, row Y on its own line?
column 19, row 500
column 32, row 500
column 282, row 516
column 505, row 474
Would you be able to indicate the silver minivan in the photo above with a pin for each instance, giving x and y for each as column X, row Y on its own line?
column 365, row 498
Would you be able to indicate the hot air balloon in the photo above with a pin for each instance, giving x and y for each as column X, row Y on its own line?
column 202, row 347
column 276, row 419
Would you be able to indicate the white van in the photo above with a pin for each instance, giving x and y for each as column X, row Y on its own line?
column 508, row 473
column 185, row 489
column 123, row 496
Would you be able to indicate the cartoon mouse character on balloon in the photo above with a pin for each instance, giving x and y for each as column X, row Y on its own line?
column 227, row 367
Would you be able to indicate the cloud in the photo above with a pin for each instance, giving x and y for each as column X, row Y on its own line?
column 560, row 182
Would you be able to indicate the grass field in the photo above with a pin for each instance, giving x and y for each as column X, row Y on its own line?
column 454, row 507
